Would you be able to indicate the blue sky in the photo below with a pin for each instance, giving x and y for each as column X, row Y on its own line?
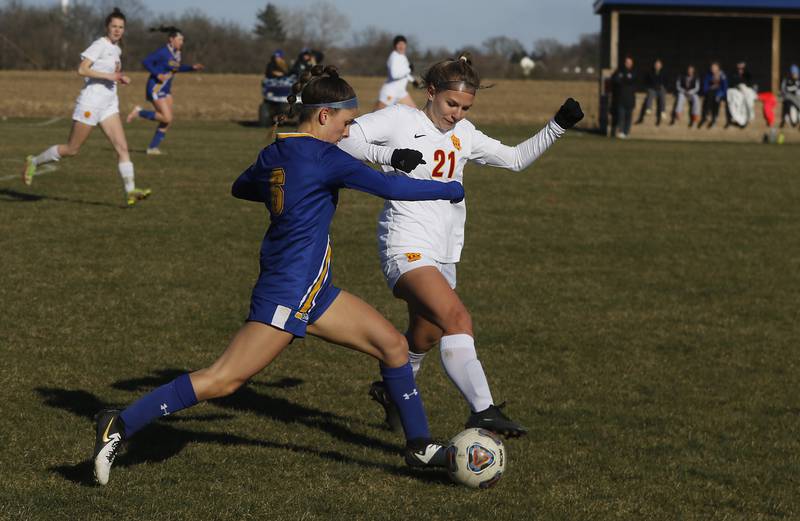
column 431, row 23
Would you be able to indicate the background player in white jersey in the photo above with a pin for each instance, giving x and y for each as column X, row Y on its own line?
column 398, row 70
column 97, row 104
column 420, row 242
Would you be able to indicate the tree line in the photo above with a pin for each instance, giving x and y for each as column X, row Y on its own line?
column 47, row 38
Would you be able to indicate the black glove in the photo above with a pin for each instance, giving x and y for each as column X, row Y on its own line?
column 411, row 66
column 406, row 159
column 569, row 114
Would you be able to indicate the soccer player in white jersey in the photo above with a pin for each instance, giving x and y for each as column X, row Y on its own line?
column 97, row 104
column 420, row 242
column 398, row 70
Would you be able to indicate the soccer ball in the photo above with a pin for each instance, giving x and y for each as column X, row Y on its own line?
column 476, row 458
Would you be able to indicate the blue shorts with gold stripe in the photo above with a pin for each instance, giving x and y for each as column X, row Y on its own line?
column 156, row 90
column 291, row 319
column 318, row 295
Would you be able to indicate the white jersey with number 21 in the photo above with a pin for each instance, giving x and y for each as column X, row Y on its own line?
column 433, row 228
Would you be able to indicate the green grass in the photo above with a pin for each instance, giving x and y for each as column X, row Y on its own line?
column 635, row 302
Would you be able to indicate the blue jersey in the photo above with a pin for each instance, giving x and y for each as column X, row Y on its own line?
column 164, row 60
column 298, row 177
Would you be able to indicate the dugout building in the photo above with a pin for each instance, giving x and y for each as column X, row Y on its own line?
column 763, row 33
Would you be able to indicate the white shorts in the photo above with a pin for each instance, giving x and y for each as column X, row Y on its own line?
column 395, row 266
column 392, row 92
column 94, row 115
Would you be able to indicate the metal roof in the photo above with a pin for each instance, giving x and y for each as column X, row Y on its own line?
column 761, row 5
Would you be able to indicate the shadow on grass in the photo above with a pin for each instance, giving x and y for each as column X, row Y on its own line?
column 248, row 399
column 13, row 196
column 164, row 439
column 161, row 441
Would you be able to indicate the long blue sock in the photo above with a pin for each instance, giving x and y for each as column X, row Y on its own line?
column 157, row 138
column 403, row 392
column 167, row 399
column 148, row 114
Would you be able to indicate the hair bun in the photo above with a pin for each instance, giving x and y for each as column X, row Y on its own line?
column 331, row 71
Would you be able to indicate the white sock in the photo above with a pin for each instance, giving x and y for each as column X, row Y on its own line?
column 460, row 362
column 415, row 359
column 48, row 156
column 126, row 173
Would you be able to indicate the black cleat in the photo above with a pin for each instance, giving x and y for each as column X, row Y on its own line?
column 424, row 453
column 107, row 442
column 378, row 392
column 493, row 419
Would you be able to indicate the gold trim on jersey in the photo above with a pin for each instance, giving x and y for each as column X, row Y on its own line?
column 313, row 290
column 284, row 135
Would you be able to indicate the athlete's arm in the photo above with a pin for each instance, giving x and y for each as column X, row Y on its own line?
column 153, row 63
column 251, row 185
column 85, row 69
column 351, row 173
column 357, row 145
column 492, row 152
column 405, row 159
column 488, row 151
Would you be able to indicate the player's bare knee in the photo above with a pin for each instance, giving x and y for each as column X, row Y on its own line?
column 395, row 351
column 458, row 320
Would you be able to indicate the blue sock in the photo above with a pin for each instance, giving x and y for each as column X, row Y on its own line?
column 157, row 138
column 403, row 392
column 167, row 399
column 148, row 114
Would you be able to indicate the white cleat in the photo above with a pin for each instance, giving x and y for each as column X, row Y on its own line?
column 109, row 437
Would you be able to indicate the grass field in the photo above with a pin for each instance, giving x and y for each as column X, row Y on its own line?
column 635, row 302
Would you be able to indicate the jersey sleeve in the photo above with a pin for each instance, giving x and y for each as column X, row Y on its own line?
column 489, row 151
column 186, row 68
column 151, row 63
column 252, row 185
column 93, row 52
column 347, row 172
column 357, row 145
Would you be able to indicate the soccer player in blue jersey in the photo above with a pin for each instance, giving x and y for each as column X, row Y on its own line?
column 163, row 65
column 298, row 178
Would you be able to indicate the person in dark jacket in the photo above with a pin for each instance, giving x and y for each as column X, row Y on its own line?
column 656, row 84
column 715, row 88
column 687, row 89
column 305, row 60
column 276, row 66
column 790, row 92
column 624, row 98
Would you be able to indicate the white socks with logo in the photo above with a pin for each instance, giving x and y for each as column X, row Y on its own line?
column 48, row 156
column 415, row 359
column 460, row 362
column 126, row 173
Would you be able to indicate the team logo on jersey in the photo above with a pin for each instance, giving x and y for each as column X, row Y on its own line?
column 87, row 114
column 301, row 316
column 173, row 63
column 456, row 142
column 413, row 256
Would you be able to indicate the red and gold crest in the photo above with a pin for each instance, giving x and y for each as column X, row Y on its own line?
column 456, row 142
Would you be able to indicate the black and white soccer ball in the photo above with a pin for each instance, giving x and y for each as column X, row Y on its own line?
column 476, row 458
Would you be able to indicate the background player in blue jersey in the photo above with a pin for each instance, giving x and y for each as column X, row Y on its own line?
column 298, row 177
column 163, row 65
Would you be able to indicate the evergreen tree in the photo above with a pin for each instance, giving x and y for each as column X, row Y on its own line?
column 269, row 25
